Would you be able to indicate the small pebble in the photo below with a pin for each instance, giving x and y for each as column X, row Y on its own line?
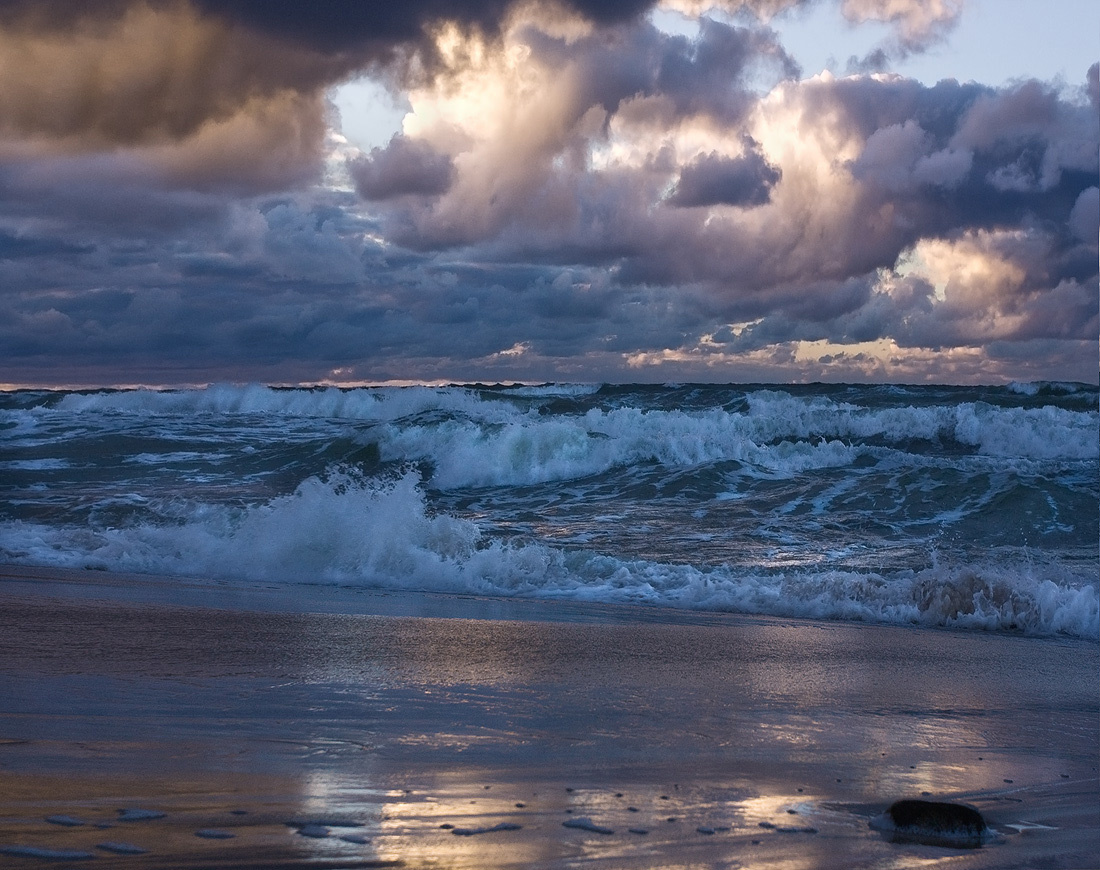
column 618, row 794
column 446, row 826
column 355, row 838
column 632, row 809
column 671, row 819
column 121, row 848
column 520, row 806
column 214, row 834
column 641, row 831
column 317, row 832
column 1008, row 780
column 704, row 830
column 238, row 812
column 792, row 812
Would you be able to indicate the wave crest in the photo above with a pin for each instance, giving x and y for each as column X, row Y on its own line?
column 342, row 528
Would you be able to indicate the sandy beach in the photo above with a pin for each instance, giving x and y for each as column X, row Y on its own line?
column 424, row 730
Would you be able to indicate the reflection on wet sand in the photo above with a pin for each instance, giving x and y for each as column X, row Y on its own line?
column 728, row 741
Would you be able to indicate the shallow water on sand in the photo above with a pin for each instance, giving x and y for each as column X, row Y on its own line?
column 404, row 723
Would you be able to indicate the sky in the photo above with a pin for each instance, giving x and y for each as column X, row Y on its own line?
column 343, row 192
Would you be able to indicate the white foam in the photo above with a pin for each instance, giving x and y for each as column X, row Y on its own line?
column 349, row 530
column 34, row 465
column 476, row 438
column 1034, row 388
column 564, row 391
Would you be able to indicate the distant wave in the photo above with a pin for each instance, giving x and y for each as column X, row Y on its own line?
column 476, row 438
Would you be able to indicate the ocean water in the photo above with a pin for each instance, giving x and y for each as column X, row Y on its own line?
column 973, row 508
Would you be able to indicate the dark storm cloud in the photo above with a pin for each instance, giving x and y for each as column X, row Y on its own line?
column 13, row 247
column 143, row 74
column 712, row 179
column 566, row 200
column 335, row 25
column 405, row 166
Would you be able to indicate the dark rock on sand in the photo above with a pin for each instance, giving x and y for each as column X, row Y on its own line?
column 933, row 823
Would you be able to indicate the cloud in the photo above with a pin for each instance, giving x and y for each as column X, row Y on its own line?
column 917, row 24
column 574, row 193
column 160, row 91
column 713, row 179
column 405, row 166
column 524, row 122
column 1084, row 219
column 147, row 75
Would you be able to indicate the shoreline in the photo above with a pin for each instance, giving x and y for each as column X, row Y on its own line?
column 404, row 712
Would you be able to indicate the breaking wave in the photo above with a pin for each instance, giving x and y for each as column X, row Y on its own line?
column 342, row 528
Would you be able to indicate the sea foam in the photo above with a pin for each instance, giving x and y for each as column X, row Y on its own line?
column 347, row 529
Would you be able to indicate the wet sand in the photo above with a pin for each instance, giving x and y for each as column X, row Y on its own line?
column 391, row 720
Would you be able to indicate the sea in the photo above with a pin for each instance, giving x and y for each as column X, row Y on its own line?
column 965, row 508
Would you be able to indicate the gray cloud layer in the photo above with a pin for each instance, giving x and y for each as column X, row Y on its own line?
column 576, row 195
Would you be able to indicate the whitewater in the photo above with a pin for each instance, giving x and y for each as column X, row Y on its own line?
column 971, row 508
